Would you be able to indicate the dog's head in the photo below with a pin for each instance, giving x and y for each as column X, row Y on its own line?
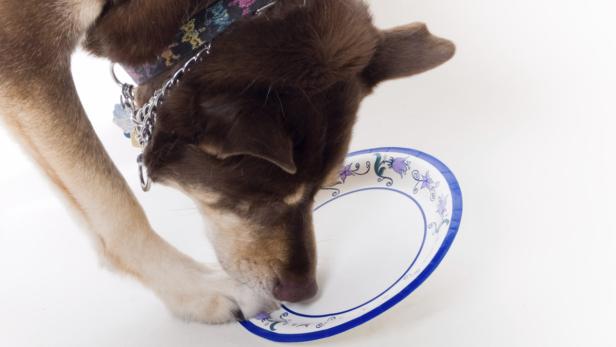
column 253, row 132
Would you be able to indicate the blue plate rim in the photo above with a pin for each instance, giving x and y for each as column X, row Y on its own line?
column 456, row 218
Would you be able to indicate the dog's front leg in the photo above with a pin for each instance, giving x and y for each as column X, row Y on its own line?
column 54, row 130
column 39, row 103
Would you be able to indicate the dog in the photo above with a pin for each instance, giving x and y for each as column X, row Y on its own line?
column 251, row 133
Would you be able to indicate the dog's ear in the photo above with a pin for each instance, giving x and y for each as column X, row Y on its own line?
column 405, row 51
column 256, row 134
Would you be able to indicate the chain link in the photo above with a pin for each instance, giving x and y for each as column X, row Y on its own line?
column 144, row 118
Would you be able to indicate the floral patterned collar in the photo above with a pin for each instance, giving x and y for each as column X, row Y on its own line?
column 200, row 30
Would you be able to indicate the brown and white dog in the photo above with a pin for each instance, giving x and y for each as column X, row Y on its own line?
column 251, row 133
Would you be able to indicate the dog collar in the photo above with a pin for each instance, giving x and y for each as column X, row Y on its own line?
column 191, row 46
column 198, row 31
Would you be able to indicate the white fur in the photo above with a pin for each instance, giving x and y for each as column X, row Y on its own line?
column 206, row 295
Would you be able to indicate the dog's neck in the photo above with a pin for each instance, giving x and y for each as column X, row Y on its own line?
column 200, row 30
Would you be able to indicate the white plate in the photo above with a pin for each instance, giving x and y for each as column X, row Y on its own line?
column 381, row 231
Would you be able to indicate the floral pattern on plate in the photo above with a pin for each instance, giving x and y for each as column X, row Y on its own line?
column 415, row 174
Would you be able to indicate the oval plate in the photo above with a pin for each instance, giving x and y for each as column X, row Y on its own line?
column 381, row 231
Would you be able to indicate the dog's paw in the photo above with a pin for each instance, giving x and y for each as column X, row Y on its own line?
column 214, row 298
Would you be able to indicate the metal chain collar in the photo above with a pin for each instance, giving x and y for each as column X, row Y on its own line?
column 144, row 118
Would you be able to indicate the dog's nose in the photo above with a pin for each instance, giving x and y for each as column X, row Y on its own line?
column 294, row 289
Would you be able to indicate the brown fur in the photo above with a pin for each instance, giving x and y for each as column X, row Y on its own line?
column 261, row 125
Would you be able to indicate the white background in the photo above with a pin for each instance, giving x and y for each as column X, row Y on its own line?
column 525, row 117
